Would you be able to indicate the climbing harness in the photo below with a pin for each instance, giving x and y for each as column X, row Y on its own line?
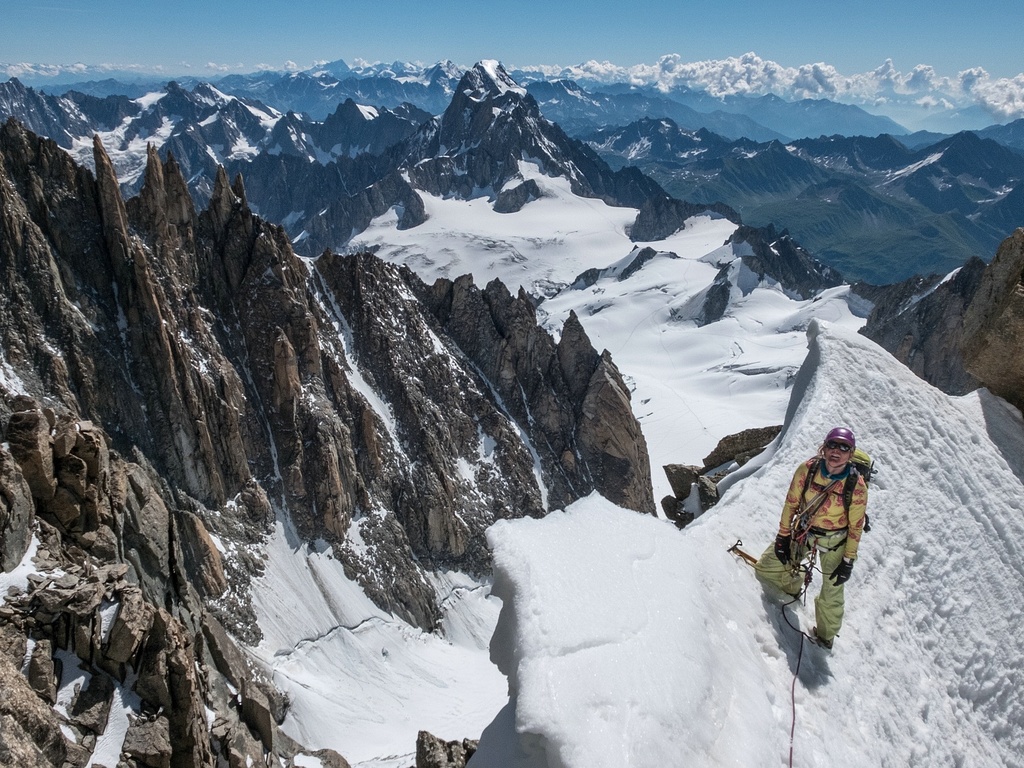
column 800, row 525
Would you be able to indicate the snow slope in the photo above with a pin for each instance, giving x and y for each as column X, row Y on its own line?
column 627, row 642
column 361, row 681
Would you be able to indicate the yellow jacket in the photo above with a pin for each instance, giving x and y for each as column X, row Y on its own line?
column 831, row 515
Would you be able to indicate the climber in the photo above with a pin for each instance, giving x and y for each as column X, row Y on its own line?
column 823, row 516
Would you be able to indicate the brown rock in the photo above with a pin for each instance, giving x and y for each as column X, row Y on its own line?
column 16, row 512
column 675, row 512
column 130, row 628
column 257, row 715
column 148, row 742
column 202, row 558
column 91, row 707
column 30, row 732
column 612, row 443
column 707, row 491
column 921, row 323
column 28, row 434
column 681, row 478
column 993, row 339
column 42, row 675
column 742, row 444
column 432, row 752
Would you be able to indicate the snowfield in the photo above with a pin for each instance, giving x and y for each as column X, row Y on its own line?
column 627, row 642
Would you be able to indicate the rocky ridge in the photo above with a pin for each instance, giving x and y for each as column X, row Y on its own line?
column 205, row 127
column 961, row 331
column 174, row 381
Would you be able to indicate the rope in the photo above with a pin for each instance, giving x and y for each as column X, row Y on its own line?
column 792, row 700
column 808, row 575
column 811, row 558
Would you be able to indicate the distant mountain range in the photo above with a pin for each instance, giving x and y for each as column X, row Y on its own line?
column 317, row 158
column 871, row 207
column 316, row 93
column 920, row 98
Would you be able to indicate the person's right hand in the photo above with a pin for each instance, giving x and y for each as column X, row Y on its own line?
column 782, row 548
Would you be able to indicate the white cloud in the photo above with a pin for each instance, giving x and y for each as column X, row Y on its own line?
column 882, row 88
column 215, row 67
column 1002, row 97
column 751, row 75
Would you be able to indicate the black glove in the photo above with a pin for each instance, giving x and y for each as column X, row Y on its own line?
column 782, row 549
column 841, row 574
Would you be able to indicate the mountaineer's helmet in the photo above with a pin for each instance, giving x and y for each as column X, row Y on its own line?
column 842, row 435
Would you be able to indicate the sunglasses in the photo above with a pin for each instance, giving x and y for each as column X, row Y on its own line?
column 832, row 445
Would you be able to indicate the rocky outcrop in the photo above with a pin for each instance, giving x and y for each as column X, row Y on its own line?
column 568, row 398
column 740, row 447
column 778, row 257
column 961, row 331
column 757, row 256
column 432, row 752
column 514, row 198
column 97, row 601
column 921, row 323
column 736, row 449
column 715, row 300
column 661, row 216
column 30, row 729
column 993, row 327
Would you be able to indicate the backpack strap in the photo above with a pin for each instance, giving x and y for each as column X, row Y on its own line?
column 813, row 465
column 849, row 486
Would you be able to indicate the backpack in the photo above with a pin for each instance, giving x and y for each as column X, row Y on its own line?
column 861, row 465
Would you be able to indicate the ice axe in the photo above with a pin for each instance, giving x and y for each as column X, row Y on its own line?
column 745, row 556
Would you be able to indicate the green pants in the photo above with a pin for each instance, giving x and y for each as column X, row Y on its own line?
column 830, row 602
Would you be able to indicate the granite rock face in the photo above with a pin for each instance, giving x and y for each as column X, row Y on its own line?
column 920, row 321
column 738, row 449
column 962, row 331
column 173, row 381
column 993, row 335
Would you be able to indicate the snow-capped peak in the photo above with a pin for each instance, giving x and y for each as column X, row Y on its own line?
column 489, row 78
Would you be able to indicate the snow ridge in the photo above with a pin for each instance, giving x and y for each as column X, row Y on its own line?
column 666, row 652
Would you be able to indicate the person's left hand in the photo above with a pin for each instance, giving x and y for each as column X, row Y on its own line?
column 842, row 573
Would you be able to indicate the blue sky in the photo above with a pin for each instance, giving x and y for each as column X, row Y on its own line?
column 185, row 36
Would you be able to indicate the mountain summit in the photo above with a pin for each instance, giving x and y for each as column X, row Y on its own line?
column 488, row 78
column 491, row 142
